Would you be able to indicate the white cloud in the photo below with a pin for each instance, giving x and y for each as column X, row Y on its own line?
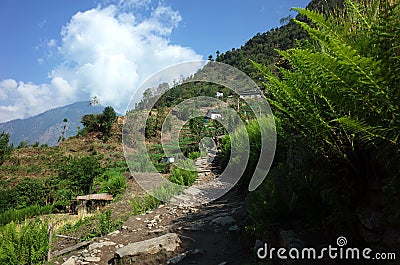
column 128, row 4
column 24, row 99
column 51, row 43
column 106, row 52
column 6, row 86
column 62, row 88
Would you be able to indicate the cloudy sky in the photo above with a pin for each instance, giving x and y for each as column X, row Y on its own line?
column 54, row 53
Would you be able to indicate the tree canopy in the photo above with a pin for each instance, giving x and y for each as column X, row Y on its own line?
column 5, row 148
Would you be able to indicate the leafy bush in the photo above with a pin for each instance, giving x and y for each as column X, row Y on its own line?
column 94, row 226
column 337, row 99
column 80, row 172
column 26, row 244
column 166, row 191
column 252, row 130
column 138, row 162
column 23, row 144
column 27, row 192
column 114, row 185
column 100, row 122
column 285, row 196
column 194, row 155
column 184, row 175
column 141, row 204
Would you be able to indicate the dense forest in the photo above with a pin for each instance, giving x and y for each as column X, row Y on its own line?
column 262, row 48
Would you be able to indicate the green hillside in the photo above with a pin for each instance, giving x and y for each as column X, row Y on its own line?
column 331, row 78
column 262, row 47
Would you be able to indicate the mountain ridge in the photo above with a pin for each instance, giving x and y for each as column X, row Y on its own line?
column 47, row 127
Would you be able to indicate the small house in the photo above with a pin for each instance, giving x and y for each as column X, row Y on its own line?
column 250, row 94
column 92, row 202
column 214, row 114
column 167, row 159
column 219, row 95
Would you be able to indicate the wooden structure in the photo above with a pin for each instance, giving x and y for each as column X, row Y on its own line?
column 93, row 202
column 250, row 94
column 213, row 114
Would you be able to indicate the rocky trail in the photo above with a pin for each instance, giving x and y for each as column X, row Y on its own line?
column 181, row 233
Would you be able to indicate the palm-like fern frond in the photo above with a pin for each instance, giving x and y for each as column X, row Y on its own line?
column 341, row 78
column 371, row 134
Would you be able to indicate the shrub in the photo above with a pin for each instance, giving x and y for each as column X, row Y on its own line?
column 100, row 122
column 24, row 245
column 94, row 226
column 114, row 185
column 80, row 172
column 183, row 177
column 252, row 130
column 29, row 191
column 91, row 122
column 141, row 204
column 23, row 144
column 194, row 155
column 284, row 197
column 338, row 100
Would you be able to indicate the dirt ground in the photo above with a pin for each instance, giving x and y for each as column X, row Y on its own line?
column 210, row 234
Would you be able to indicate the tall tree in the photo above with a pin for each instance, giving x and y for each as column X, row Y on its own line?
column 5, row 148
column 93, row 102
column 80, row 172
column 62, row 137
column 107, row 120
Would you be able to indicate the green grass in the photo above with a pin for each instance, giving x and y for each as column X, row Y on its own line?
column 13, row 215
column 142, row 204
column 94, row 226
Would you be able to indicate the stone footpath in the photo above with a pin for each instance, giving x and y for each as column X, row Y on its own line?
column 183, row 232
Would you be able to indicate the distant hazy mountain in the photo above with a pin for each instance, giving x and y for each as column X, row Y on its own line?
column 46, row 127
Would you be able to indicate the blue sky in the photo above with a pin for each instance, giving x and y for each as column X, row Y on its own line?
column 53, row 53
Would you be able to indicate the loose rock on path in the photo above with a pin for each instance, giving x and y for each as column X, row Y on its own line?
column 187, row 233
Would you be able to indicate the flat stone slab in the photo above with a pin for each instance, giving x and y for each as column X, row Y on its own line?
column 92, row 259
column 223, row 220
column 192, row 191
column 70, row 261
column 168, row 242
column 100, row 245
